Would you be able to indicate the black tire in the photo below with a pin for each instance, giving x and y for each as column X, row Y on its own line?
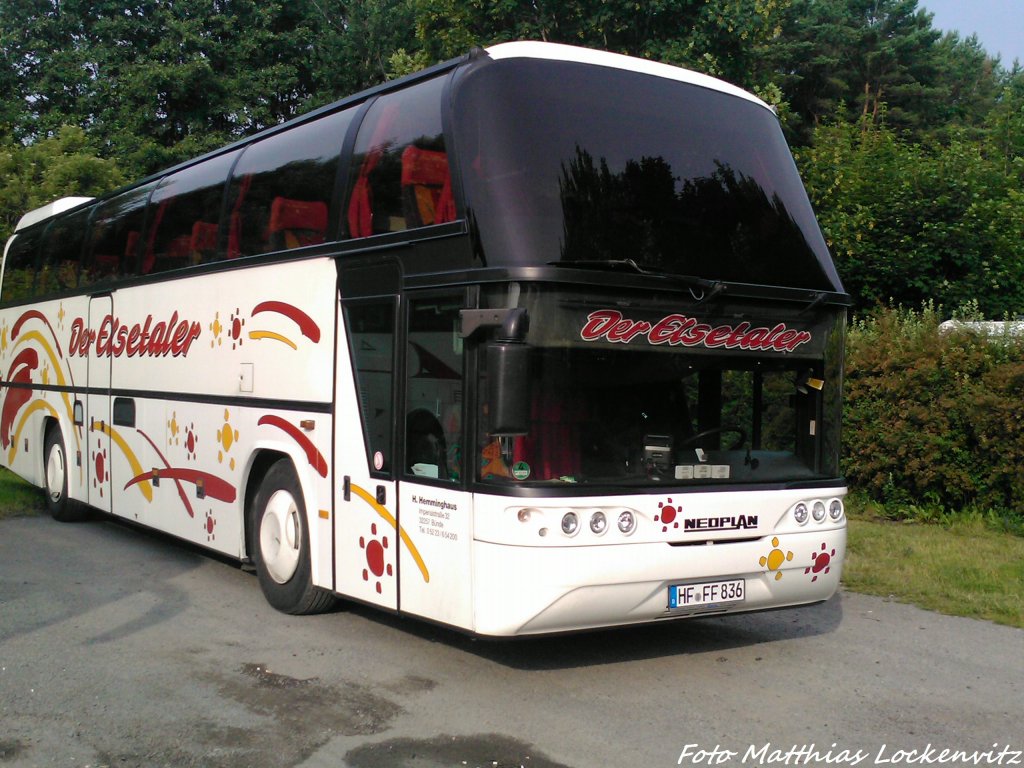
column 55, row 478
column 280, row 544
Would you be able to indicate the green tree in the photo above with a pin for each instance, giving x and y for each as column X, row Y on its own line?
column 356, row 45
column 161, row 81
column 55, row 167
column 725, row 39
column 860, row 55
column 911, row 222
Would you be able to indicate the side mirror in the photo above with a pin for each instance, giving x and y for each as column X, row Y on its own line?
column 508, row 387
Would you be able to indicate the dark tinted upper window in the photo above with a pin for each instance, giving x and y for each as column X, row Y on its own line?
column 399, row 173
column 62, row 252
column 183, row 217
column 282, row 187
column 572, row 162
column 114, row 239
column 20, row 265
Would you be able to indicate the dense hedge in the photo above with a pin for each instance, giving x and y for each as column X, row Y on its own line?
column 934, row 421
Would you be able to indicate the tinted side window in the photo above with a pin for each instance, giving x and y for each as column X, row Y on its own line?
column 62, row 252
column 115, row 235
column 399, row 176
column 371, row 332
column 433, row 419
column 184, row 216
column 282, row 187
column 20, row 266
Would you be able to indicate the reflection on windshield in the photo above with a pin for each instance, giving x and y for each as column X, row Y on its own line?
column 653, row 388
column 571, row 161
column 623, row 417
column 638, row 214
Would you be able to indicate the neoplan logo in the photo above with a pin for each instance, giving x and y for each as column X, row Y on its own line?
column 733, row 523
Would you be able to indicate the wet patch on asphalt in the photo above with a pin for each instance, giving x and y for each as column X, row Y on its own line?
column 488, row 750
column 10, row 749
column 411, row 684
column 295, row 718
column 309, row 706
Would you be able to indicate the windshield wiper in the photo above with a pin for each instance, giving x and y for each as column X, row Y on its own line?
column 709, row 289
column 610, row 265
column 818, row 297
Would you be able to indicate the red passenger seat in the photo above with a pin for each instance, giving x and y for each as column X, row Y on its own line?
column 426, row 187
column 295, row 223
column 203, row 243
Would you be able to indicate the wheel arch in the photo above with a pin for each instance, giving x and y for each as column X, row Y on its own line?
column 262, row 459
column 259, row 464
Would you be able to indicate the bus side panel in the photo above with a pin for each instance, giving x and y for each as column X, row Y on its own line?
column 436, row 553
column 264, row 332
column 36, row 351
column 207, row 373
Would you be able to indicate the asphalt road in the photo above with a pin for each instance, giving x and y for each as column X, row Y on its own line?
column 123, row 648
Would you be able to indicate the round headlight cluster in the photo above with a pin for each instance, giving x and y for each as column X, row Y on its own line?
column 571, row 522
column 598, row 521
column 818, row 510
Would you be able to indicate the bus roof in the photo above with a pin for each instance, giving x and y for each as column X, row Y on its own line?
column 50, row 209
column 559, row 52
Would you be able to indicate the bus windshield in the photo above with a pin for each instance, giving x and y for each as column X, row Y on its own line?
column 567, row 162
column 658, row 390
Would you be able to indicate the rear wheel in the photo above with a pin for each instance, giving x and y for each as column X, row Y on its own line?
column 56, row 470
column 281, row 544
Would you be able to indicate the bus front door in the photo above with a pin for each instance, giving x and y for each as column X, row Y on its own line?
column 435, row 509
column 366, row 535
column 98, row 407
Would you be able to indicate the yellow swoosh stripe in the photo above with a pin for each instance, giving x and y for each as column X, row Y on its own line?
column 389, row 518
column 272, row 335
column 55, row 363
column 35, row 405
column 145, row 486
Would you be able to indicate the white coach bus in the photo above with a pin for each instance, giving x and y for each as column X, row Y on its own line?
column 539, row 339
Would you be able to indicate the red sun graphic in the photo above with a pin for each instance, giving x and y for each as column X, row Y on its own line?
column 820, row 562
column 237, row 321
column 191, row 440
column 209, row 525
column 375, row 551
column 100, row 473
column 667, row 516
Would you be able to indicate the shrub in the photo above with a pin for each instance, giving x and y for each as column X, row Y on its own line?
column 934, row 420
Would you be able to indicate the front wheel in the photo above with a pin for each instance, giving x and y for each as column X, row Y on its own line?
column 281, row 544
column 55, row 468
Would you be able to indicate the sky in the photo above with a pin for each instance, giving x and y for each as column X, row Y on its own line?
column 999, row 24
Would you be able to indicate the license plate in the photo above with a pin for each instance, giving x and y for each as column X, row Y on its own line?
column 706, row 593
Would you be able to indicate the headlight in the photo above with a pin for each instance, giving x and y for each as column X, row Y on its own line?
column 627, row 522
column 598, row 523
column 800, row 513
column 570, row 523
column 818, row 511
column 835, row 510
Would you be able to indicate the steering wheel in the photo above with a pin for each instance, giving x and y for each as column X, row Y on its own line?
column 693, row 439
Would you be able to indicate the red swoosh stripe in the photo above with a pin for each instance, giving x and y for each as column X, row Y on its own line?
column 35, row 314
column 309, row 328
column 313, row 456
column 213, row 486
